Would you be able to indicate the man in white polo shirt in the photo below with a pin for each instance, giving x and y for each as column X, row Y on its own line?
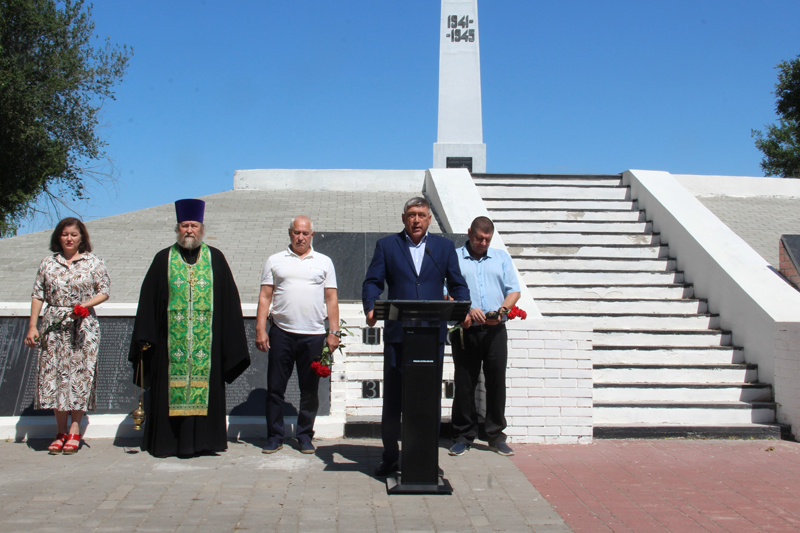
column 299, row 285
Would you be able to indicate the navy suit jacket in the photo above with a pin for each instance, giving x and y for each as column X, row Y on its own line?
column 392, row 264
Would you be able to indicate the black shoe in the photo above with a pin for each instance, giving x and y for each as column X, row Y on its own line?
column 272, row 446
column 459, row 448
column 384, row 469
column 503, row 449
column 306, row 446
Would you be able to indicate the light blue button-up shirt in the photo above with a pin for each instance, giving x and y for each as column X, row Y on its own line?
column 417, row 250
column 490, row 278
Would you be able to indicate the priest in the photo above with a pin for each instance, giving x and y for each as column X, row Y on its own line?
column 189, row 341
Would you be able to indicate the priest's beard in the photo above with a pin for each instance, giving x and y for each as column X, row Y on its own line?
column 190, row 242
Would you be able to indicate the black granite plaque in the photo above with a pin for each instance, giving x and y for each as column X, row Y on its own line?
column 460, row 162
column 351, row 254
column 116, row 393
column 27, row 390
column 16, row 368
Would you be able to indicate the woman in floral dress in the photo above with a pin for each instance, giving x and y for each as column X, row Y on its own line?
column 68, row 353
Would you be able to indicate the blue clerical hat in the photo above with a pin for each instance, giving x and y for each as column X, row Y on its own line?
column 190, row 209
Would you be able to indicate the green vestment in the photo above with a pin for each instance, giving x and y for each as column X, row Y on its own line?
column 191, row 301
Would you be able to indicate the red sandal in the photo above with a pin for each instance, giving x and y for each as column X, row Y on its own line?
column 70, row 449
column 58, row 444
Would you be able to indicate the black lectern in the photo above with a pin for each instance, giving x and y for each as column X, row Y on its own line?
column 422, row 390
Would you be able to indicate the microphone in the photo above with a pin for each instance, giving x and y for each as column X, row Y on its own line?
column 427, row 251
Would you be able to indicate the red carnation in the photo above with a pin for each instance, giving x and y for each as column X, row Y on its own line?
column 516, row 312
column 80, row 310
column 320, row 369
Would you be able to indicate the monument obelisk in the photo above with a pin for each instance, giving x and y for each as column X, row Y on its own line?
column 460, row 137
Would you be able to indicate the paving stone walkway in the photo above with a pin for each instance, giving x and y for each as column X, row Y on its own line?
column 108, row 486
column 610, row 485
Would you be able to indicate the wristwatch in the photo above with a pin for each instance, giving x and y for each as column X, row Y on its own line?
column 338, row 333
column 503, row 312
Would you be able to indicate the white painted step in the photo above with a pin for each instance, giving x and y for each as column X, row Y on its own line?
column 690, row 414
column 684, row 392
column 661, row 373
column 566, row 250
column 647, row 322
column 666, row 431
column 670, row 355
column 493, row 204
column 512, row 176
column 585, row 251
column 559, row 192
column 566, row 226
column 356, row 350
column 596, row 263
column 650, row 292
column 661, row 338
column 617, row 306
column 573, row 215
column 561, row 277
column 550, row 180
column 525, row 238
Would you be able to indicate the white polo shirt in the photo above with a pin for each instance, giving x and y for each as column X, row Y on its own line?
column 298, row 297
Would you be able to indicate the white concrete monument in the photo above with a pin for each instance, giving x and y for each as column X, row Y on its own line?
column 460, row 138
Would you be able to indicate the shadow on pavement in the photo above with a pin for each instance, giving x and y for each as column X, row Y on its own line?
column 350, row 458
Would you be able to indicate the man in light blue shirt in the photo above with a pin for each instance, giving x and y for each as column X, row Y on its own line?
column 494, row 290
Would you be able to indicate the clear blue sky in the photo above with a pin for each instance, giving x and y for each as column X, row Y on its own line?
column 568, row 87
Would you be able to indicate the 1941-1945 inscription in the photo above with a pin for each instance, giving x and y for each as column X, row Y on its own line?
column 459, row 29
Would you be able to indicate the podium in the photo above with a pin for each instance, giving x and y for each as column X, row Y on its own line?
column 422, row 390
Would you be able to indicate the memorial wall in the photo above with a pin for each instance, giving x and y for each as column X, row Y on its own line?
column 116, row 393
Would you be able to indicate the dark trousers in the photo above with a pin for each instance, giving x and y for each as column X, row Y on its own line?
column 487, row 346
column 287, row 350
column 392, row 410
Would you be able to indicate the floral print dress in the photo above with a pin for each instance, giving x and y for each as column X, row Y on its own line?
column 68, row 361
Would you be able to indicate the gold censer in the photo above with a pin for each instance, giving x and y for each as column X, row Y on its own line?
column 138, row 415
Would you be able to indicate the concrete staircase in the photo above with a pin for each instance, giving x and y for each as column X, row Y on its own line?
column 662, row 366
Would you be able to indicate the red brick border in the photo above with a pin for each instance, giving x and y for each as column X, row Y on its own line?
column 668, row 485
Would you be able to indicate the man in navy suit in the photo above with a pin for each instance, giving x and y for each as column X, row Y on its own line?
column 416, row 265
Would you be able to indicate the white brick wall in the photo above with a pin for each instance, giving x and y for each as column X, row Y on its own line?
column 549, row 381
column 787, row 375
column 362, row 362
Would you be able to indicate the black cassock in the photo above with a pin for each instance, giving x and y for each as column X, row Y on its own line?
column 187, row 435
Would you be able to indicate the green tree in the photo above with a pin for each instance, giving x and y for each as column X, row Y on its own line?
column 53, row 82
column 781, row 143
